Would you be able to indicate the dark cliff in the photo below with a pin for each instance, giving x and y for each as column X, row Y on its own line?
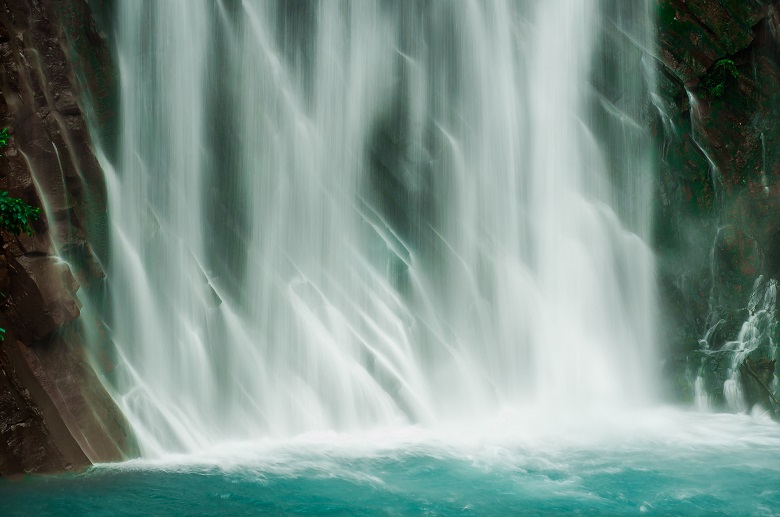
column 718, row 218
column 54, row 412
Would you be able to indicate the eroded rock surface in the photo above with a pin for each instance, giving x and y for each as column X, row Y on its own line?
column 54, row 412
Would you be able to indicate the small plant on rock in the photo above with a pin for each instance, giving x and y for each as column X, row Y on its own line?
column 4, row 136
column 723, row 72
column 16, row 215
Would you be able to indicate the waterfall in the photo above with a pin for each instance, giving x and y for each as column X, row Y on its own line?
column 349, row 215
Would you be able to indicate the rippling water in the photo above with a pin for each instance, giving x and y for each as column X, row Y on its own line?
column 663, row 462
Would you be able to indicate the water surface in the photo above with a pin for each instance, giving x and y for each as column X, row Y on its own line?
column 659, row 463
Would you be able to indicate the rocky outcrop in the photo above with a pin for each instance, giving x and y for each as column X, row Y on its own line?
column 54, row 412
column 718, row 220
column 43, row 296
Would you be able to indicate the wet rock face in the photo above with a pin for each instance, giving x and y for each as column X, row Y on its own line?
column 32, row 436
column 54, row 412
column 719, row 195
column 43, row 291
column 693, row 34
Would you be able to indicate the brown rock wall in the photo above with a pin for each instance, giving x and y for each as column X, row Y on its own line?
column 54, row 412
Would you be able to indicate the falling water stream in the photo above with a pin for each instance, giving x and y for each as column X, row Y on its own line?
column 351, row 215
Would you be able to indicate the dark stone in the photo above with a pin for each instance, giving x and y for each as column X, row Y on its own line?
column 43, row 293
column 54, row 66
column 718, row 199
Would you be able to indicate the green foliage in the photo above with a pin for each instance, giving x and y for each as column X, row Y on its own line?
column 15, row 215
column 723, row 72
column 4, row 136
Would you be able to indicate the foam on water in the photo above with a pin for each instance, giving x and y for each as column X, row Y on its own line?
column 511, row 439
column 662, row 462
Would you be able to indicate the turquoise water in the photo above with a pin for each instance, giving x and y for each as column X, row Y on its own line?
column 666, row 463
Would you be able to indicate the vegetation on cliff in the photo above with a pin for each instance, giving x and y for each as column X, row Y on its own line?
column 723, row 72
column 16, row 215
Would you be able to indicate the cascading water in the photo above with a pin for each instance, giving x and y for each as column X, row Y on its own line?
column 345, row 215
column 756, row 334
